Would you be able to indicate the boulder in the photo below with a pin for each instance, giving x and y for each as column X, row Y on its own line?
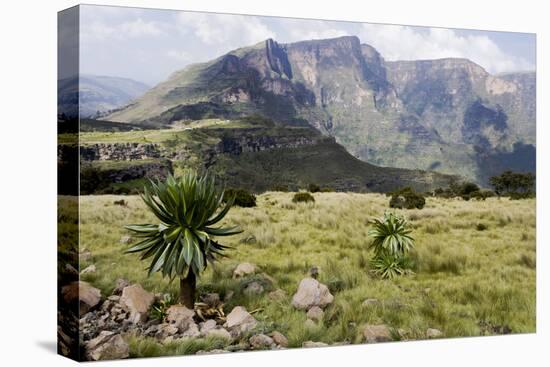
column 311, row 293
column 192, row 331
column 107, row 345
column 220, row 333
column 212, row 351
column 71, row 269
column 244, row 269
column 377, row 333
column 315, row 313
column 87, row 296
column 181, row 317
column 239, row 321
column 261, row 341
column 88, row 269
column 434, row 333
column 253, row 288
column 206, row 326
column 163, row 330
column 120, row 284
column 137, row 301
column 279, row 339
column 312, row 344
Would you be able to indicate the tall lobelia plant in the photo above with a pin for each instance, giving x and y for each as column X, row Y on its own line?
column 183, row 242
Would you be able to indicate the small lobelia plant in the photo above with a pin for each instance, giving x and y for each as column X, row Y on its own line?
column 182, row 243
column 391, row 243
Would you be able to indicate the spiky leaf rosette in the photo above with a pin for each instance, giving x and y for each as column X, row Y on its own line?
column 390, row 235
column 188, row 208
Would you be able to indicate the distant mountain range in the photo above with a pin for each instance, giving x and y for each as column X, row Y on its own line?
column 98, row 94
column 447, row 115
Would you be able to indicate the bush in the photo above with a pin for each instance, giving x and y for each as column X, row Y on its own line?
column 407, row 198
column 481, row 194
column 313, row 188
column 243, row 198
column 280, row 188
column 482, row 227
column 303, row 197
column 521, row 195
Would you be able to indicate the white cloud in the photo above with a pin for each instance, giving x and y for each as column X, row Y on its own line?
column 136, row 28
column 226, row 31
column 299, row 30
column 405, row 43
column 179, row 55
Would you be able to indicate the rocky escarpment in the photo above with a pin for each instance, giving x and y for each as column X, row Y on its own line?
column 119, row 151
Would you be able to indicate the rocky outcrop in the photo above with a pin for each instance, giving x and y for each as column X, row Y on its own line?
column 137, row 301
column 107, row 346
column 119, row 151
column 240, row 321
column 249, row 143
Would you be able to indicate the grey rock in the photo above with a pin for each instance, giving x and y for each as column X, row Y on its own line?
column 180, row 316
column 87, row 296
column 244, row 269
column 239, row 321
column 120, row 284
column 312, row 344
column 377, row 333
column 315, row 313
column 137, row 301
column 106, row 346
column 208, row 325
column 434, row 333
column 211, row 299
column 279, row 339
column 253, row 288
column 311, row 293
column 261, row 341
column 220, row 333
column 88, row 270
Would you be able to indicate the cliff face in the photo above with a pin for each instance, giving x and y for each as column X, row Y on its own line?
column 447, row 114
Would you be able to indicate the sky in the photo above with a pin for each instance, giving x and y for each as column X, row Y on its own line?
column 148, row 45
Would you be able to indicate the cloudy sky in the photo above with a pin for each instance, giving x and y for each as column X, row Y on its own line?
column 148, row 45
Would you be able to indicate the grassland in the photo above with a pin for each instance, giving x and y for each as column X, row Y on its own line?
column 474, row 265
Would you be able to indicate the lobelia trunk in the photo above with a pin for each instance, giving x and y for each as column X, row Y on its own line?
column 187, row 290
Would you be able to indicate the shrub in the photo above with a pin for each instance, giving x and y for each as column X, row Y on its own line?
column 303, row 197
column 407, row 198
column 481, row 194
column 280, row 188
column 481, row 227
column 313, row 188
column 242, row 197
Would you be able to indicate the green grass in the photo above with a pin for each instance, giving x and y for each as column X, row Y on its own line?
column 466, row 283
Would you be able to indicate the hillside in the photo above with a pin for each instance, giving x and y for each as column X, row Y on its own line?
column 448, row 115
column 96, row 94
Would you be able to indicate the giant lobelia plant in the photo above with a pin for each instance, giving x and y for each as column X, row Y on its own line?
column 183, row 242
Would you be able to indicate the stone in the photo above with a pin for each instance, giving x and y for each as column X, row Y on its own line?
column 87, row 296
column 315, row 313
column 88, row 269
column 377, row 333
column 312, row 344
column 311, row 293
column 369, row 302
column 240, row 321
column 85, row 255
column 279, row 339
column 71, row 269
column 212, row 351
column 106, row 346
column 261, row 341
column 137, row 301
column 253, row 288
column 120, row 284
column 192, row 331
column 180, row 316
column 164, row 330
column 244, row 269
column 434, row 333
column 125, row 240
column 220, row 333
column 206, row 326
column 211, row 299
column 277, row 295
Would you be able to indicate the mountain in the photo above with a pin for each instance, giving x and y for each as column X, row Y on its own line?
column 97, row 94
column 448, row 115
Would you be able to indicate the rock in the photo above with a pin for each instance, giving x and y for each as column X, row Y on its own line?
column 244, row 269
column 211, row 299
column 164, row 330
column 120, row 284
column 310, row 324
column 213, row 351
column 369, row 302
column 277, row 295
column 70, row 269
column 261, row 341
column 125, row 240
column 88, row 269
column 106, row 346
column 279, row 339
column 87, row 296
column 377, row 333
column 137, row 301
column 248, row 239
column 311, row 293
column 312, row 344
column 206, row 326
column 180, row 316
column 315, row 313
column 220, row 333
column 192, row 331
column 434, row 333
column 239, row 321
column 253, row 288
